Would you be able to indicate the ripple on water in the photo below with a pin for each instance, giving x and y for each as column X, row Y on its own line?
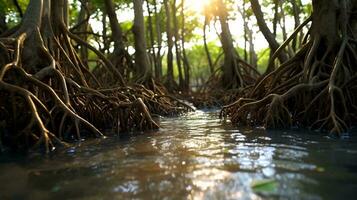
column 194, row 156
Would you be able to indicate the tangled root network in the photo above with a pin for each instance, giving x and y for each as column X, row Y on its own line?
column 316, row 88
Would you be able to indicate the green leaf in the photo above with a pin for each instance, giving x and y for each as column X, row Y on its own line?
column 56, row 188
column 320, row 169
column 264, row 186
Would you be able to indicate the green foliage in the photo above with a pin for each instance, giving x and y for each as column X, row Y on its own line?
column 12, row 16
column 3, row 5
column 193, row 26
column 263, row 59
column 240, row 51
column 198, row 59
column 74, row 9
column 307, row 8
column 264, row 186
column 126, row 28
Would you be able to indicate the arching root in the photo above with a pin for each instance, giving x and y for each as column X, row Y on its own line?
column 52, row 100
column 316, row 93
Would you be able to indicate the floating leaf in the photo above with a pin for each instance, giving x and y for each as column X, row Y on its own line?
column 320, row 169
column 56, row 188
column 264, row 186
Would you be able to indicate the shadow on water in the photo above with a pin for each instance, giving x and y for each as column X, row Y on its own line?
column 195, row 156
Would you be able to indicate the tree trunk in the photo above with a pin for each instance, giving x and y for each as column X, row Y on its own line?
column 158, row 64
column 283, row 21
column 208, row 54
column 142, row 63
column 276, row 19
column 296, row 12
column 44, row 97
column 18, row 8
column 152, row 37
column 315, row 89
column 177, row 45
column 105, row 41
column 276, row 16
column 231, row 77
column 170, row 82
column 3, row 25
column 120, row 57
column 269, row 36
column 253, row 58
column 245, row 31
column 186, row 63
column 117, row 33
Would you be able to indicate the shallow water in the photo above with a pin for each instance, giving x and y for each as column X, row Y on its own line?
column 192, row 157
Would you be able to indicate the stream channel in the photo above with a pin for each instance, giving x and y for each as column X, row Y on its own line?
column 195, row 156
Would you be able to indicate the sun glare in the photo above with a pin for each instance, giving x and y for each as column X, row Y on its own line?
column 198, row 5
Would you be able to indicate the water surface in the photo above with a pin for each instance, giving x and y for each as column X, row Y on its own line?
column 195, row 156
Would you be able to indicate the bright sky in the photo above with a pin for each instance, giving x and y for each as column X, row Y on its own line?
column 198, row 5
column 236, row 26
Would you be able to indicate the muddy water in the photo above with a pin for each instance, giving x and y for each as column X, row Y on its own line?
column 192, row 157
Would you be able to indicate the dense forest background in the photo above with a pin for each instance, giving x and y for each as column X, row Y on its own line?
column 194, row 28
column 75, row 68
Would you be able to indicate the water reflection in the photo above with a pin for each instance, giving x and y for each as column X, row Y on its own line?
column 192, row 157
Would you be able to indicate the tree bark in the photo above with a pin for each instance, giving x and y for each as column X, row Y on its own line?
column 296, row 12
column 170, row 82
column 120, row 57
column 269, row 36
column 158, row 64
column 283, row 22
column 104, row 33
column 186, row 63
column 117, row 33
column 253, row 58
column 44, row 103
column 142, row 63
column 230, row 66
column 18, row 8
column 177, row 46
column 3, row 25
column 276, row 16
column 245, row 31
column 151, row 36
column 315, row 89
column 33, row 16
column 208, row 54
